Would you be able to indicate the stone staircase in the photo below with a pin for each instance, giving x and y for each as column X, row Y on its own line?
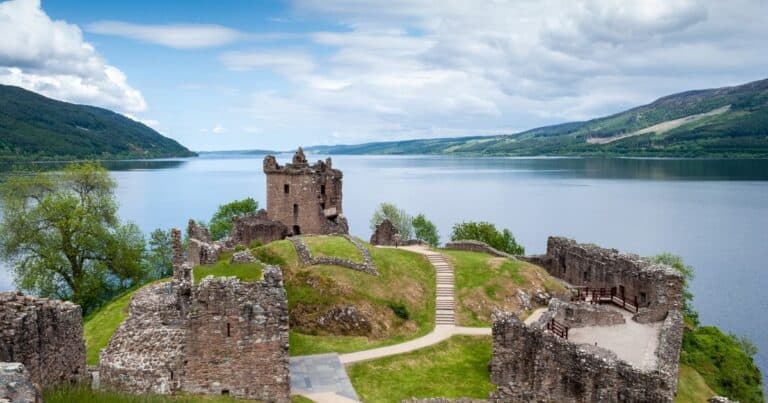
column 445, row 299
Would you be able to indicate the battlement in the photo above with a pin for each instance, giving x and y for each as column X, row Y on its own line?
column 300, row 166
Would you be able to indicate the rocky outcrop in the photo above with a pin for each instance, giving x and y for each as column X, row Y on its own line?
column 16, row 385
column 346, row 321
column 386, row 234
column 44, row 335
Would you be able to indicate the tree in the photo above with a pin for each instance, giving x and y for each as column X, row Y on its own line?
column 61, row 235
column 676, row 262
column 160, row 254
column 397, row 216
column 425, row 230
column 487, row 232
column 221, row 222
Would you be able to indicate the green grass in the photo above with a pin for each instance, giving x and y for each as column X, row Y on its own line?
column 99, row 326
column 483, row 281
column 457, row 367
column 691, row 387
column 84, row 394
column 723, row 364
column 405, row 278
column 223, row 268
column 300, row 399
column 332, row 246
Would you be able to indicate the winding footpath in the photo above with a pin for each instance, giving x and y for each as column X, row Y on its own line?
column 321, row 379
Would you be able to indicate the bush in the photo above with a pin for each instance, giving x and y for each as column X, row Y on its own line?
column 400, row 310
column 268, row 256
column 254, row 244
column 425, row 230
column 239, row 248
column 397, row 216
column 221, row 222
column 487, row 232
column 723, row 362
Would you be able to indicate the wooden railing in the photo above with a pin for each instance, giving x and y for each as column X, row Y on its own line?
column 557, row 328
column 598, row 295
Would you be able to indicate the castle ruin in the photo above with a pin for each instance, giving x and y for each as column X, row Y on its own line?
column 219, row 337
column 618, row 339
column 306, row 198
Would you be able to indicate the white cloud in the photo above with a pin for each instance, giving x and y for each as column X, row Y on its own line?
column 218, row 129
column 417, row 68
column 181, row 36
column 286, row 62
column 51, row 57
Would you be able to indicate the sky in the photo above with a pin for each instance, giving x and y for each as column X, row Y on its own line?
column 228, row 75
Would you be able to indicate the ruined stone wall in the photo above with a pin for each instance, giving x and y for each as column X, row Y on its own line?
column 16, row 385
column 477, row 246
column 529, row 364
column 257, row 227
column 306, row 198
column 307, row 259
column 386, row 234
column 44, row 335
column 146, row 353
column 223, row 336
column 658, row 288
column 582, row 314
column 237, row 339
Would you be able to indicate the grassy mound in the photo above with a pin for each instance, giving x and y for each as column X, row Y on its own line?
column 399, row 303
column 691, row 387
column 484, row 282
column 99, row 326
column 223, row 268
column 457, row 367
column 333, row 246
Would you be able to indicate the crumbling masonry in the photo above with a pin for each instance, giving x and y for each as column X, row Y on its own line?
column 219, row 337
column 538, row 362
column 306, row 198
column 44, row 335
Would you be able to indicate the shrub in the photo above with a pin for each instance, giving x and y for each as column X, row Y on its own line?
column 239, row 248
column 487, row 232
column 399, row 309
column 221, row 222
column 268, row 256
column 425, row 230
column 254, row 244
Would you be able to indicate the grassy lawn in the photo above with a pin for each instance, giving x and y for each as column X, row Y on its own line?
column 691, row 387
column 332, row 246
column 99, row 326
column 300, row 399
column 457, row 367
column 483, row 282
column 223, row 268
column 84, row 394
column 405, row 278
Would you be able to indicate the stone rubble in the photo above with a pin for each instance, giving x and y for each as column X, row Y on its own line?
column 16, row 385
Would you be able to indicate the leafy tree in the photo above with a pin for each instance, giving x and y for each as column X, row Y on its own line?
column 487, row 232
column 397, row 216
column 160, row 254
column 425, row 230
column 221, row 222
column 676, row 262
column 61, row 235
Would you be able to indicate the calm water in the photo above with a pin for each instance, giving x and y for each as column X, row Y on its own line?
column 713, row 213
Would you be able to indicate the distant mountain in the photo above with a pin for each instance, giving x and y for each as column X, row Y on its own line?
column 35, row 127
column 721, row 122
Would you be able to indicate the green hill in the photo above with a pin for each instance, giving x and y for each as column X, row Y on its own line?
column 721, row 122
column 35, row 127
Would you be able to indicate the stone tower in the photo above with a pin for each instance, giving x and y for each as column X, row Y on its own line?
column 306, row 198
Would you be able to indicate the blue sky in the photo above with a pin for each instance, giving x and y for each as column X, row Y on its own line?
column 252, row 74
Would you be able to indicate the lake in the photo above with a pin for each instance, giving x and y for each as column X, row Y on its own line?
column 714, row 213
